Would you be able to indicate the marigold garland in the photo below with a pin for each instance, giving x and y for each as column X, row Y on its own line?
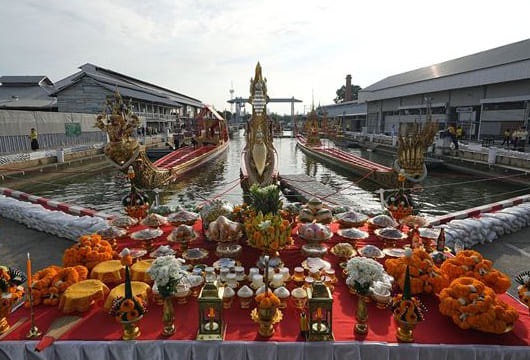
column 49, row 283
column 89, row 251
column 470, row 263
column 473, row 305
column 425, row 276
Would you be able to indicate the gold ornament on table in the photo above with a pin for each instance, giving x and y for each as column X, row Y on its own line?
column 408, row 312
column 211, row 323
column 128, row 310
column 523, row 289
column 320, row 313
column 11, row 292
column 266, row 314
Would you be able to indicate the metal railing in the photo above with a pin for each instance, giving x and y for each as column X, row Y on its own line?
column 21, row 143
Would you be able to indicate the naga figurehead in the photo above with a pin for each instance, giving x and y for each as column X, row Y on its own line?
column 261, row 156
column 413, row 142
column 119, row 122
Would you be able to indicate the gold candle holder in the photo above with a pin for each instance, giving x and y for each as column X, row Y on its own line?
column 130, row 329
column 361, row 315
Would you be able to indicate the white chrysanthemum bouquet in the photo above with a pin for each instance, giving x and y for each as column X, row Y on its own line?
column 364, row 272
column 167, row 273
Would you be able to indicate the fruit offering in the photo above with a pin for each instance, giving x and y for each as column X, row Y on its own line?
column 473, row 305
column 471, row 264
column 268, row 232
column 314, row 232
column 224, row 230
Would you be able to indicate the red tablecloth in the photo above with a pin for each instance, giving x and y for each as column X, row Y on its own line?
column 436, row 329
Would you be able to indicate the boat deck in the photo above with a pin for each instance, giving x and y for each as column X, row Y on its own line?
column 182, row 155
column 343, row 156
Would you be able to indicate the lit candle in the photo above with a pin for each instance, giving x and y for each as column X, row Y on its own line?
column 29, row 271
column 319, row 313
column 211, row 315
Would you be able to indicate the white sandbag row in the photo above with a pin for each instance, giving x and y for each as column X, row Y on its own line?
column 488, row 227
column 54, row 222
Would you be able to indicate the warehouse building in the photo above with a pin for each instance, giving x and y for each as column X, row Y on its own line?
column 351, row 114
column 157, row 107
column 485, row 93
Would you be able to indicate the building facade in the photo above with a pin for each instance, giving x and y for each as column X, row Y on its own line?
column 351, row 114
column 485, row 93
column 157, row 107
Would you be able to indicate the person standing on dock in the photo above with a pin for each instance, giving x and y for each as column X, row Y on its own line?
column 33, row 138
column 506, row 139
column 452, row 133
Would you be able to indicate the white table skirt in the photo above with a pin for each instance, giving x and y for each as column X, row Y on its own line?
column 191, row 350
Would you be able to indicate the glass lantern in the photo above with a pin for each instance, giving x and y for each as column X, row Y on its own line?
column 320, row 314
column 211, row 324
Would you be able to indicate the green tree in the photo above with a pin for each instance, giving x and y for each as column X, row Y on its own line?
column 341, row 93
column 227, row 115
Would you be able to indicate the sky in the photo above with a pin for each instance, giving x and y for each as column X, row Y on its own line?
column 200, row 48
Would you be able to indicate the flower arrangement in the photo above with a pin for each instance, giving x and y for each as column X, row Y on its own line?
column 405, row 307
column 408, row 311
column 425, row 276
column 89, row 251
column 470, row 263
column 168, row 274
column 265, row 199
column 523, row 280
column 363, row 272
column 11, row 289
column 267, row 300
column 49, row 283
column 268, row 232
column 128, row 309
column 472, row 304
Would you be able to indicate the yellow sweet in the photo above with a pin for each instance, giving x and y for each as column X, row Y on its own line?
column 139, row 271
column 79, row 296
column 111, row 271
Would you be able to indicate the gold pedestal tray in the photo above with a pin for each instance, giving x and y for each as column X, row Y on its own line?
column 266, row 328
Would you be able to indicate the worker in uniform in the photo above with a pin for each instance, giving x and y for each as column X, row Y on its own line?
column 33, row 138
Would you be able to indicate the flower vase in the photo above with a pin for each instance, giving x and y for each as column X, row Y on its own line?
column 361, row 314
column 5, row 309
column 168, row 317
column 130, row 329
column 405, row 330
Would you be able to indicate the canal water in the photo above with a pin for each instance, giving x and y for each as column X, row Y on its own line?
column 444, row 191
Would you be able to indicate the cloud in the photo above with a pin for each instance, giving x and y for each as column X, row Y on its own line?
column 199, row 47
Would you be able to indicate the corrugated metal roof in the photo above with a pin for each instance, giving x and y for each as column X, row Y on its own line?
column 142, row 90
column 127, row 92
column 30, row 95
column 506, row 54
column 24, row 79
